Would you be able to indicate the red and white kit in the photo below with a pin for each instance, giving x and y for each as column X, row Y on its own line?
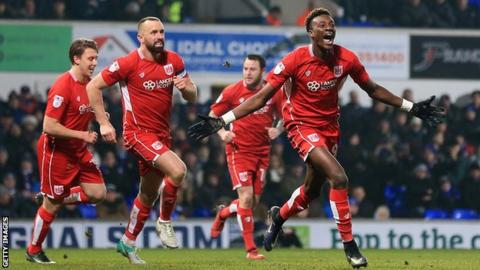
column 65, row 162
column 147, row 88
column 311, row 108
column 248, row 154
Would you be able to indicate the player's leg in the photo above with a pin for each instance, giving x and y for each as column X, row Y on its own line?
column 223, row 212
column 322, row 160
column 92, row 187
column 245, row 220
column 41, row 225
column 174, row 170
column 299, row 201
column 147, row 195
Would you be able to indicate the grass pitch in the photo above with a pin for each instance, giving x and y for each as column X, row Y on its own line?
column 227, row 259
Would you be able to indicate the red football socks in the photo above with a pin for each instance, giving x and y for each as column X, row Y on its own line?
column 230, row 210
column 341, row 213
column 138, row 216
column 168, row 198
column 245, row 220
column 297, row 203
column 77, row 196
column 41, row 225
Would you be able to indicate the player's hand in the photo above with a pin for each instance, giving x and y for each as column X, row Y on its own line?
column 273, row 132
column 206, row 127
column 226, row 135
column 182, row 83
column 90, row 137
column 432, row 115
column 108, row 133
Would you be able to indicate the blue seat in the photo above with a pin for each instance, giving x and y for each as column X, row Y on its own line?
column 435, row 214
column 88, row 211
column 464, row 214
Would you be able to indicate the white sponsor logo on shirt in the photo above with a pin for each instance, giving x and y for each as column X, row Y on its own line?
column 243, row 176
column 57, row 101
column 157, row 145
column 152, row 85
column 57, row 189
column 314, row 86
column 168, row 69
column 279, row 68
column 84, row 109
column 313, row 137
column 114, row 67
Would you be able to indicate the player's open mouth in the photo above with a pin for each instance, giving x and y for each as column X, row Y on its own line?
column 328, row 38
column 158, row 44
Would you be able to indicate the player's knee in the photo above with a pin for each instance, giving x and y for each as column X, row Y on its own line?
column 97, row 195
column 339, row 180
column 178, row 174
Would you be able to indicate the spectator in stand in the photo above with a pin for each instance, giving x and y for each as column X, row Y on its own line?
column 447, row 196
column 382, row 213
column 5, row 165
column 58, row 11
column 29, row 10
column 467, row 16
column 5, row 12
column 360, row 206
column 114, row 206
column 443, row 15
column 419, row 191
column 414, row 13
column 351, row 114
column 274, row 16
column 471, row 188
column 470, row 126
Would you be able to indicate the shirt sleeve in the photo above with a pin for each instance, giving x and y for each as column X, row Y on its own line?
column 223, row 103
column 282, row 71
column 358, row 72
column 180, row 70
column 117, row 71
column 58, row 100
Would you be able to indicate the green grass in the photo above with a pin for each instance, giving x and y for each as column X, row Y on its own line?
column 281, row 259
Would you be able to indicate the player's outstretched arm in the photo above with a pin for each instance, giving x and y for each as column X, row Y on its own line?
column 209, row 125
column 94, row 92
column 431, row 114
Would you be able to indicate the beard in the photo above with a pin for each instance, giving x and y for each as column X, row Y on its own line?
column 154, row 50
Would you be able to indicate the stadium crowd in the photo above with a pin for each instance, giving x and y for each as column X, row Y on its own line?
column 396, row 13
column 397, row 167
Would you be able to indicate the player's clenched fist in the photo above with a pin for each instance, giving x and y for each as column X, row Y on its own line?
column 90, row 137
column 182, row 83
column 108, row 133
column 226, row 135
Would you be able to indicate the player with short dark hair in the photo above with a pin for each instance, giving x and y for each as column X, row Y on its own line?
column 147, row 76
column 68, row 172
column 247, row 149
column 311, row 113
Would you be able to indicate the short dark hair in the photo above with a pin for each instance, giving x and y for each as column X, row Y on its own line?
column 78, row 47
column 257, row 58
column 149, row 18
column 315, row 13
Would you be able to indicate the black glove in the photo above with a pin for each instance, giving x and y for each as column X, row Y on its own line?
column 206, row 127
column 432, row 115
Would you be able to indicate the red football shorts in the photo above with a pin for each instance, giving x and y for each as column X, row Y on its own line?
column 248, row 170
column 303, row 139
column 148, row 147
column 61, row 169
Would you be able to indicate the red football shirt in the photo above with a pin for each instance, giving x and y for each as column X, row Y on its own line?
column 313, row 98
column 251, row 135
column 67, row 102
column 146, row 89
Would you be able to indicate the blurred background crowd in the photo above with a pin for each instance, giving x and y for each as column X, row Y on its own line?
column 397, row 167
column 392, row 13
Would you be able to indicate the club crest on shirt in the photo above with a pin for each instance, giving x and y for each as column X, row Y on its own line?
column 313, row 137
column 279, row 68
column 58, row 189
column 157, row 145
column 168, row 69
column 338, row 71
column 114, row 67
column 243, row 176
column 57, row 101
